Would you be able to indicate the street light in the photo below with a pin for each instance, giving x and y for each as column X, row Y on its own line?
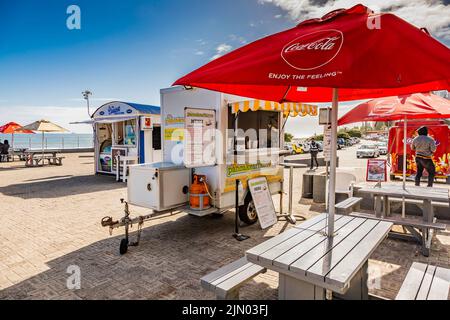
column 86, row 95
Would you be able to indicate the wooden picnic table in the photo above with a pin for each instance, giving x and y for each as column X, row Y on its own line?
column 36, row 157
column 383, row 193
column 309, row 262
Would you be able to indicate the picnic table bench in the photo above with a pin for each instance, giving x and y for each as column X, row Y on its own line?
column 35, row 158
column 226, row 281
column 309, row 262
column 425, row 282
column 421, row 231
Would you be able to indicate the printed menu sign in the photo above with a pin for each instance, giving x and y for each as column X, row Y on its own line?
column 199, row 139
column 376, row 170
column 327, row 143
column 262, row 199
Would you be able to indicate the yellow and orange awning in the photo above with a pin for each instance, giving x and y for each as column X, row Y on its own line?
column 291, row 109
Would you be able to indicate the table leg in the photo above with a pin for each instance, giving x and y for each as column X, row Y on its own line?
column 428, row 216
column 293, row 289
column 378, row 206
column 386, row 206
column 358, row 286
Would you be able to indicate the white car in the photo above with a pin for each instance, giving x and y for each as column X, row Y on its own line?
column 368, row 150
column 382, row 147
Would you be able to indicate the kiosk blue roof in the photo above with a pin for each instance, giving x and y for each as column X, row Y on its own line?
column 120, row 108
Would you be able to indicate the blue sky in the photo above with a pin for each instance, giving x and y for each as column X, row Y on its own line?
column 125, row 50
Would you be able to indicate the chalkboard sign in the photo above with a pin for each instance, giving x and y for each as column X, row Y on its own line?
column 262, row 199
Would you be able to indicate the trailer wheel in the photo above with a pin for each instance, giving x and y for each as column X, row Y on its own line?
column 123, row 246
column 247, row 212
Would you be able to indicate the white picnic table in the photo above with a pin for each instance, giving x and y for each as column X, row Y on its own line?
column 309, row 262
column 36, row 157
column 428, row 196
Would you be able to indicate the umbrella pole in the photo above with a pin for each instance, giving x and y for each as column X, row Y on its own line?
column 42, row 148
column 405, row 136
column 333, row 162
column 12, row 145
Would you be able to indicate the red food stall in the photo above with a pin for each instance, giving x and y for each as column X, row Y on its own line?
column 437, row 129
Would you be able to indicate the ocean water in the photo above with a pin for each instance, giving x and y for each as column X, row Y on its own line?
column 51, row 140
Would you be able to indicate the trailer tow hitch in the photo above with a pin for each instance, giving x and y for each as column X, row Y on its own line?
column 127, row 223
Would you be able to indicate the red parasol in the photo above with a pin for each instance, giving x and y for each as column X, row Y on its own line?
column 12, row 127
column 414, row 106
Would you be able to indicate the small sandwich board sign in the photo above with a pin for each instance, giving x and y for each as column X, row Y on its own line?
column 262, row 199
column 376, row 170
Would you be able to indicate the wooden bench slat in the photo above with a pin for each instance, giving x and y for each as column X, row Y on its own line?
column 238, row 279
column 231, row 274
column 412, row 282
column 210, row 277
column 420, row 202
column 349, row 202
column 398, row 220
column 426, row 283
column 440, row 287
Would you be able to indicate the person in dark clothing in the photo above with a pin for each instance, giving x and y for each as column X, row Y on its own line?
column 424, row 146
column 314, row 150
column 4, row 149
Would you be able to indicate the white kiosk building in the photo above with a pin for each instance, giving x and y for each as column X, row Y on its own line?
column 127, row 130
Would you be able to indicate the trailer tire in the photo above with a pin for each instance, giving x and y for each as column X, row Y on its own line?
column 123, row 248
column 247, row 212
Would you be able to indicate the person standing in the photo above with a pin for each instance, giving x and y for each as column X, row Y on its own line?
column 425, row 147
column 314, row 150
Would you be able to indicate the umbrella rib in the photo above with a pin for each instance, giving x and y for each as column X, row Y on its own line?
column 285, row 94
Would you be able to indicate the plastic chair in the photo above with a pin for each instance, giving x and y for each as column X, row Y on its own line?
column 345, row 182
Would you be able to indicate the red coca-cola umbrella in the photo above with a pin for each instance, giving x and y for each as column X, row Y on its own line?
column 404, row 107
column 411, row 106
column 348, row 54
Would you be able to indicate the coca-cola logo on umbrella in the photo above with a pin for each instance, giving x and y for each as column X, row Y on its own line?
column 313, row 50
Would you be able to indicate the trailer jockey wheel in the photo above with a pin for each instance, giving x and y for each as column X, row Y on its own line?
column 123, row 246
column 247, row 212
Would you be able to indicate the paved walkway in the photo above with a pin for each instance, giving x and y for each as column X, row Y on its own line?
column 50, row 220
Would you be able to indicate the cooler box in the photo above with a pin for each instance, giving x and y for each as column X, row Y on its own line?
column 158, row 186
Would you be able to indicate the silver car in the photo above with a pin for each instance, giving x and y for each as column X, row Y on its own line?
column 368, row 151
column 382, row 147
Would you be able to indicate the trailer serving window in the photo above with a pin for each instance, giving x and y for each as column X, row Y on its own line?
column 259, row 129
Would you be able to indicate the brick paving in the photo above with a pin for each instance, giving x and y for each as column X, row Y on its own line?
column 50, row 220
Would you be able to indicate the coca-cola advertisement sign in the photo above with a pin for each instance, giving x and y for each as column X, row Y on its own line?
column 313, row 50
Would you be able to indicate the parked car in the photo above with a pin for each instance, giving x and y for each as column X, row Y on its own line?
column 288, row 147
column 305, row 146
column 382, row 147
column 368, row 150
column 297, row 149
column 340, row 143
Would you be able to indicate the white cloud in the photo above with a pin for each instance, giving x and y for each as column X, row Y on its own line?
column 236, row 38
column 199, row 53
column 278, row 16
column 221, row 50
column 431, row 14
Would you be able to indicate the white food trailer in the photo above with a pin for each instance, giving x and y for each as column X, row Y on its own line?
column 126, row 129
column 219, row 137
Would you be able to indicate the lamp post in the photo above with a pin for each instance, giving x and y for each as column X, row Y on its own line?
column 86, row 95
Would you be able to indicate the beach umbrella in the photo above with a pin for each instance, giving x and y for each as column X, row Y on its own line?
column 13, row 127
column 348, row 54
column 44, row 126
column 405, row 107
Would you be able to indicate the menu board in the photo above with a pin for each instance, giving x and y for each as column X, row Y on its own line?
column 376, row 170
column 327, row 143
column 199, row 140
column 262, row 199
